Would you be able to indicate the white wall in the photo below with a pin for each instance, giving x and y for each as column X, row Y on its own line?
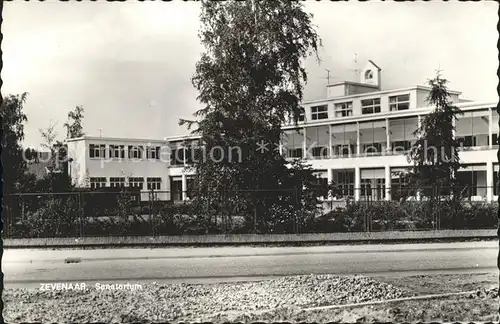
column 403, row 132
column 338, row 90
column 353, row 89
column 109, row 167
column 422, row 97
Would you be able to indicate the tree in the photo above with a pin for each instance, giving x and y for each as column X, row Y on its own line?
column 435, row 154
column 57, row 179
column 250, row 81
column 74, row 126
column 13, row 120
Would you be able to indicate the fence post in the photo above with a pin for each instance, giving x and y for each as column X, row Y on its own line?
column 80, row 213
column 152, row 200
column 6, row 216
column 254, row 212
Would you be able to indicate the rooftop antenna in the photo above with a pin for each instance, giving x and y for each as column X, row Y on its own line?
column 100, row 132
column 328, row 76
column 356, row 70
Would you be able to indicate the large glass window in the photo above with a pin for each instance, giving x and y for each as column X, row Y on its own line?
column 472, row 129
column 495, row 179
column 373, row 138
column 177, row 155
column 495, row 127
column 317, row 141
column 344, row 183
column 399, row 185
column 472, row 181
column 372, row 184
column 401, row 134
column 293, row 141
column 344, row 139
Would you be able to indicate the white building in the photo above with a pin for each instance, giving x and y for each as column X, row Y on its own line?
column 356, row 136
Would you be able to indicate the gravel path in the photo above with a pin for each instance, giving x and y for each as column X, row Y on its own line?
column 185, row 302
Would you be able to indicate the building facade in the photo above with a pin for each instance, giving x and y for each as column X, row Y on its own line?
column 357, row 137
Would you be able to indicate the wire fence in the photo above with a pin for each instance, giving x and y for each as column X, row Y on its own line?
column 131, row 212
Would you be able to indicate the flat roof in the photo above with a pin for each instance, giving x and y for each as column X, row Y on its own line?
column 374, row 93
column 353, row 83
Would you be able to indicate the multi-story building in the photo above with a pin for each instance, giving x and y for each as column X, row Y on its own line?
column 357, row 137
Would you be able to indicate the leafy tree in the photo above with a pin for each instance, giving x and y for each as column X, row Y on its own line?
column 49, row 136
column 13, row 120
column 31, row 155
column 57, row 179
column 74, row 126
column 435, row 154
column 250, row 80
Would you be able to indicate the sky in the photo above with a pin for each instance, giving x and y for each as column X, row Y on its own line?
column 130, row 64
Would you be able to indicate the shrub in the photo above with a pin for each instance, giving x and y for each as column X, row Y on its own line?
column 55, row 217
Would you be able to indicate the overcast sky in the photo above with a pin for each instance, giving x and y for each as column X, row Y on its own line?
column 129, row 64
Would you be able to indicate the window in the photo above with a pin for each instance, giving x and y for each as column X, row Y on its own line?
column 154, row 183
column 344, row 150
column 467, row 141
column 195, row 154
column 153, row 152
column 319, row 112
column 345, row 183
column 117, row 182
column 97, row 151
column 495, row 139
column 117, row 151
column 320, row 152
column 343, row 109
column 177, row 156
column 372, row 148
column 495, row 179
column 400, row 189
column 370, row 106
column 399, row 146
column 136, row 182
column 135, row 152
column 302, row 115
column 366, row 187
column 399, row 102
column 97, row 183
column 295, row 153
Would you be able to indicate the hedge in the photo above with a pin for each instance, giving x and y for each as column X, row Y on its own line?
column 63, row 218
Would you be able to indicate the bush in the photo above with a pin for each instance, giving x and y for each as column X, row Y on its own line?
column 63, row 217
column 411, row 215
column 55, row 217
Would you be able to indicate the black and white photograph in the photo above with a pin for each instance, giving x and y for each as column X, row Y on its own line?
column 250, row 161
